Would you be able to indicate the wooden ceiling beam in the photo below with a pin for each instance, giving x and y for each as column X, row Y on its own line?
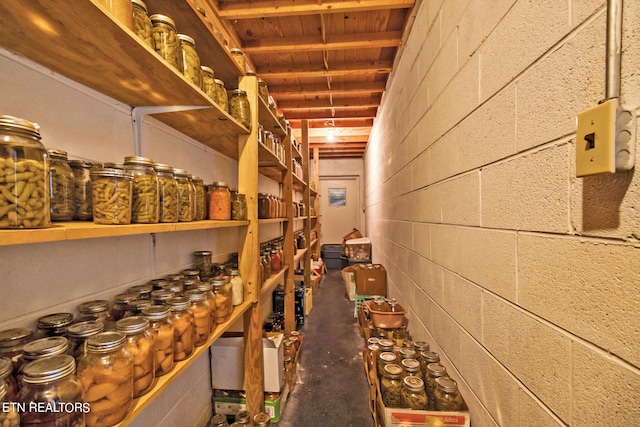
column 327, row 115
column 338, row 123
column 316, row 43
column 291, row 91
column 326, row 103
column 279, row 8
column 324, row 144
column 318, row 70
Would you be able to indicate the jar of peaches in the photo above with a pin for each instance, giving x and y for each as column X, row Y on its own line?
column 183, row 332
column 201, row 311
column 140, row 345
column 162, row 331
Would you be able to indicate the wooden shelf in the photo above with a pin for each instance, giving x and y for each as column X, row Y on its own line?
column 298, row 183
column 269, row 121
column 269, row 165
column 164, row 381
column 88, row 230
column 271, row 220
column 273, row 280
column 79, row 40
column 299, row 254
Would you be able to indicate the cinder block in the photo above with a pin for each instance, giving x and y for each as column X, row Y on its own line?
column 461, row 200
column 431, row 280
column 444, row 67
column 462, row 300
column 421, row 239
column 477, row 23
column 445, row 242
column 443, row 158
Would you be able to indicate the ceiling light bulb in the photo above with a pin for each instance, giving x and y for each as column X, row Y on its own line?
column 331, row 136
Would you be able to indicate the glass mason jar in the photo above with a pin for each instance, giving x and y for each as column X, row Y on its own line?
column 223, row 300
column 243, row 417
column 121, row 307
column 165, row 40
column 391, row 385
column 9, row 417
column 11, row 385
column 237, row 287
column 160, row 296
column 145, row 208
column 168, row 193
column 219, row 201
column 162, row 330
column 202, row 319
column 239, row 107
column 52, row 380
column 143, row 291
column 122, row 11
column 385, row 344
column 266, row 264
column 142, row 25
column 186, row 195
column 276, row 261
column 385, row 358
column 184, row 333
column 263, row 206
column 208, row 83
column 238, row 56
column 25, row 184
column 201, row 203
column 78, row 334
column 411, row 367
column 190, row 60
column 263, row 91
column 371, row 357
column 138, row 305
column 218, row 420
column 413, row 394
column 427, row 357
column 434, row 370
column 95, row 310
column 407, row 353
column 41, row 348
column 447, row 396
column 221, row 95
column 238, row 206
column 203, row 262
column 262, row 419
column 106, row 374
column 139, row 344
column 82, row 209
column 54, row 325
column 12, row 342
column 111, row 196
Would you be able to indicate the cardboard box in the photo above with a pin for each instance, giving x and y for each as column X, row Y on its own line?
column 371, row 279
column 355, row 234
column 227, row 363
column 349, row 277
column 308, row 300
column 229, row 404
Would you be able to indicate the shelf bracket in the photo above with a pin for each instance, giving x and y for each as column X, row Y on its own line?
column 137, row 114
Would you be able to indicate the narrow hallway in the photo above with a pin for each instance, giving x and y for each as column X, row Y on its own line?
column 331, row 388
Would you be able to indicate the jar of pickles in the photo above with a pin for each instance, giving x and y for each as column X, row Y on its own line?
column 121, row 307
column 427, row 357
column 201, row 204
column 238, row 206
column 447, row 396
column 219, row 201
column 411, row 367
column 202, row 319
column 168, row 193
column 391, row 385
column 385, row 358
column 121, row 10
column 263, row 91
column 208, row 83
column 221, row 95
column 141, row 23
column 139, row 344
column 238, row 56
column 24, row 186
column 165, row 40
column 145, row 206
column 434, row 371
column 51, row 380
column 413, row 394
column 53, row 325
column 190, row 60
column 239, row 107
column 78, row 333
column 9, row 416
column 82, row 209
column 186, row 195
column 162, row 330
column 106, row 374
column 111, row 196
column 203, row 262
column 184, row 334
column 223, row 300
column 237, row 287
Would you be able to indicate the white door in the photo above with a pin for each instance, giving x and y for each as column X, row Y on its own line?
column 340, row 207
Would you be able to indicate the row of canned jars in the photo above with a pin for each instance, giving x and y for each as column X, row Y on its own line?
column 179, row 50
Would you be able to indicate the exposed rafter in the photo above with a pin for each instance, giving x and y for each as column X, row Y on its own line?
column 316, row 43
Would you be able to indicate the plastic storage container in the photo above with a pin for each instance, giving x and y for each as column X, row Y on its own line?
column 359, row 249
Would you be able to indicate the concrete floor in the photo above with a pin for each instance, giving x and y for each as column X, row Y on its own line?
column 331, row 388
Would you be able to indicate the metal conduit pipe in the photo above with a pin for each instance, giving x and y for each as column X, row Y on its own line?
column 613, row 49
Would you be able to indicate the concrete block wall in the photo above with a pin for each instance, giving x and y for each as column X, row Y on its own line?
column 523, row 277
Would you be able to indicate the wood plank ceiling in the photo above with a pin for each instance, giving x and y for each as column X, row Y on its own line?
column 325, row 61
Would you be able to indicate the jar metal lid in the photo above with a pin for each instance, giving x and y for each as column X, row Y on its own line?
column 18, row 125
column 262, row 419
column 15, row 336
column 236, row 50
column 218, row 82
column 393, row 369
column 175, row 277
column 111, row 172
column 410, row 364
column 387, row 356
column 96, row 306
column 57, row 153
column 161, row 167
column 106, row 341
column 161, row 295
column 156, row 312
column 157, row 284
column 132, row 325
column 421, row 346
column 202, row 253
column 204, row 286
column 42, row 347
column 238, row 92
column 206, row 69
column 141, row 289
column 139, row 305
column 386, row 343
column 181, row 172
column 86, row 164
column 243, row 415
column 138, row 160
column 158, row 18
column 436, row 370
column 430, row 356
column 195, row 295
column 124, row 299
column 6, row 367
column 220, row 184
column 408, row 353
column 112, row 165
column 190, row 272
column 178, row 303
column 186, row 38
column 447, row 384
column 141, row 4
column 48, row 369
column 414, row 383
column 85, row 329
column 218, row 420
column 56, row 320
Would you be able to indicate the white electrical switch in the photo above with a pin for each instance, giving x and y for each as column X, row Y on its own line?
column 605, row 139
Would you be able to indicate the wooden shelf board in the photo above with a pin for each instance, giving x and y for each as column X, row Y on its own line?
column 273, row 280
column 268, row 120
column 299, row 254
column 269, row 165
column 164, row 381
column 77, row 230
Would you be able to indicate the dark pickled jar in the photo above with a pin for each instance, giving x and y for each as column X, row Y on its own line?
column 391, row 385
column 186, row 195
column 138, row 306
column 447, row 396
column 53, row 325
column 45, row 347
column 202, row 260
column 25, row 163
column 264, row 211
column 78, row 333
column 6, row 375
column 121, row 306
column 83, row 209
column 62, row 183
column 238, row 206
column 143, row 291
column 51, row 380
column 434, row 371
column 9, row 416
column 413, row 394
column 12, row 342
column 161, row 296
column 95, row 310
